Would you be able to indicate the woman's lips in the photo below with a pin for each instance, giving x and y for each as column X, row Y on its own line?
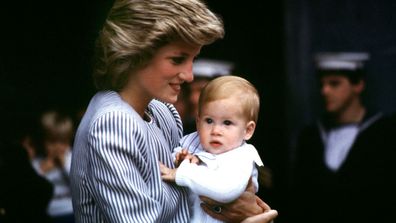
column 175, row 87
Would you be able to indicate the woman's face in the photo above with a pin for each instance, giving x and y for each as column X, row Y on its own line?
column 162, row 77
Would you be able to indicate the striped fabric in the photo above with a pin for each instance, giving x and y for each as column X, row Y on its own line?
column 115, row 175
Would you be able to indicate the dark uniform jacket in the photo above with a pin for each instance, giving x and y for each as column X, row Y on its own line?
column 363, row 189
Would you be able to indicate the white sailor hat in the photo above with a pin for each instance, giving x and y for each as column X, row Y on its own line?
column 349, row 61
column 209, row 68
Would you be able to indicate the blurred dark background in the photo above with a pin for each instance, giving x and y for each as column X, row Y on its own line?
column 46, row 50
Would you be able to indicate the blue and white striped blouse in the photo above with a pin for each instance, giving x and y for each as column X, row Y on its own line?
column 115, row 175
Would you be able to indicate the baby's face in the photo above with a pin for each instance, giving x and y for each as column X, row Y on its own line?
column 221, row 126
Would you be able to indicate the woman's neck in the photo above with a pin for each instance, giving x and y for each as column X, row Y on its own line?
column 136, row 100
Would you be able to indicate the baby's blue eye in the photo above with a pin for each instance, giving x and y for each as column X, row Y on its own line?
column 227, row 122
column 209, row 120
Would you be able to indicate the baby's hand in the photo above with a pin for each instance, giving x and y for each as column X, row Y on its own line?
column 167, row 174
column 183, row 155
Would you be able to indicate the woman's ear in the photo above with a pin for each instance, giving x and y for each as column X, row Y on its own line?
column 250, row 127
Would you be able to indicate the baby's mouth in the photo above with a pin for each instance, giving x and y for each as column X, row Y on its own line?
column 215, row 143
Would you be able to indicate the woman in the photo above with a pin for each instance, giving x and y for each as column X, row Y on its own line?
column 144, row 53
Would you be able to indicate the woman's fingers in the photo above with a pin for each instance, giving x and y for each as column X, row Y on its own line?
column 265, row 217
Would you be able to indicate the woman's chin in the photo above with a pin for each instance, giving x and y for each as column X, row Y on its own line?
column 170, row 99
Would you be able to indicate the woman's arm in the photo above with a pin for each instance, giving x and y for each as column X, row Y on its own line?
column 116, row 175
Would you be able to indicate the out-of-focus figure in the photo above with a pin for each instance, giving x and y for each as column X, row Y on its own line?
column 52, row 160
column 345, row 164
column 24, row 195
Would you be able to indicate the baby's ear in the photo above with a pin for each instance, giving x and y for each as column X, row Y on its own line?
column 250, row 127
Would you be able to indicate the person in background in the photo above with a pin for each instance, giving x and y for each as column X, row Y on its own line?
column 24, row 195
column 345, row 164
column 204, row 70
column 227, row 116
column 52, row 160
column 144, row 53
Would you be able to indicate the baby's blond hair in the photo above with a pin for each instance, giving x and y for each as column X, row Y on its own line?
column 232, row 86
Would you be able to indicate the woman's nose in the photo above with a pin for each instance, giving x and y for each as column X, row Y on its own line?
column 187, row 76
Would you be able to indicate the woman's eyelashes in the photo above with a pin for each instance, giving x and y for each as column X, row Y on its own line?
column 177, row 60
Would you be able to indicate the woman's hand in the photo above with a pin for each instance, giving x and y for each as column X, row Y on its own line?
column 248, row 208
column 265, row 217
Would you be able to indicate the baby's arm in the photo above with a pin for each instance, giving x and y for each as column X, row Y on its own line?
column 169, row 174
column 184, row 154
column 223, row 184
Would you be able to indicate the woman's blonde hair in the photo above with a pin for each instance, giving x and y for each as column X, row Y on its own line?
column 232, row 86
column 135, row 29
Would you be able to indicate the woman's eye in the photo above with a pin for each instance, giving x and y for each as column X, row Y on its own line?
column 178, row 60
